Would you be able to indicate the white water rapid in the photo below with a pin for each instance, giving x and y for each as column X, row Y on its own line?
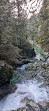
column 31, row 89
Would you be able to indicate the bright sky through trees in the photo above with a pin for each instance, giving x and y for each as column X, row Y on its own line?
column 28, row 7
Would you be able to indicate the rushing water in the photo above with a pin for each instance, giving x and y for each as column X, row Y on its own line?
column 32, row 89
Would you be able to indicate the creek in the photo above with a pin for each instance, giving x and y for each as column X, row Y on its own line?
column 31, row 85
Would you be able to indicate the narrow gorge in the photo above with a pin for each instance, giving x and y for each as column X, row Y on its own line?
column 24, row 55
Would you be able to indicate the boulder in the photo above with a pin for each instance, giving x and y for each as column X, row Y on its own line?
column 7, row 89
column 44, row 105
column 6, row 72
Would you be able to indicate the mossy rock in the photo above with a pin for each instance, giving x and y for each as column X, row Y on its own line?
column 28, row 68
column 5, row 74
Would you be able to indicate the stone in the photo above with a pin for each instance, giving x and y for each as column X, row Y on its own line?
column 7, row 89
column 34, row 105
column 47, row 109
column 31, row 105
column 30, row 108
column 43, row 105
column 22, row 109
column 6, row 72
column 1, row 63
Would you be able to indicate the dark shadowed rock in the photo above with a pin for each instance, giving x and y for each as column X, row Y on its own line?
column 6, row 72
column 7, row 89
column 17, row 62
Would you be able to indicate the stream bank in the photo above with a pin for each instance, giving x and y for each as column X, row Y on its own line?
column 32, row 82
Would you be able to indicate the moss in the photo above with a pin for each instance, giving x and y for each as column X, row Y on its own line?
column 15, row 78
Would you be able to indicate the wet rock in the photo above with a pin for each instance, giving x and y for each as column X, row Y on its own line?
column 32, row 67
column 29, row 68
column 31, row 105
column 12, row 88
column 26, row 100
column 43, row 59
column 21, row 62
column 44, row 66
column 30, row 108
column 43, row 105
column 22, row 109
column 47, row 109
column 34, row 105
column 6, row 89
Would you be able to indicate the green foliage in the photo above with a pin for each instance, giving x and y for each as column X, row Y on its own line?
column 39, row 50
column 15, row 78
column 43, row 38
column 12, row 33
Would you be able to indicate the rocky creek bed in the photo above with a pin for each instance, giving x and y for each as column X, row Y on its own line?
column 32, row 82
